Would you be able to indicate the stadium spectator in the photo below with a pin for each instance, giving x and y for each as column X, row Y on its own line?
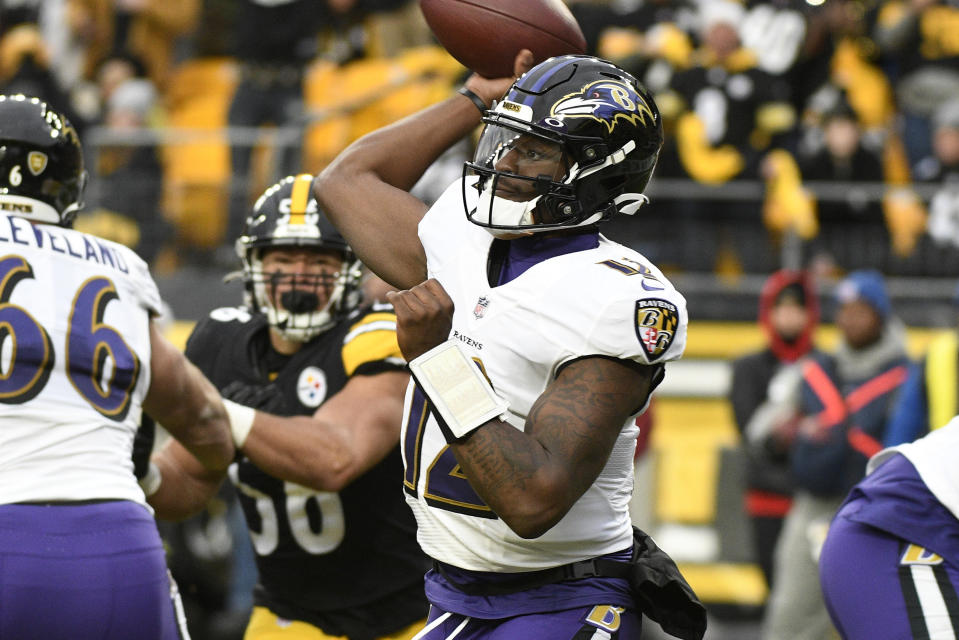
column 148, row 29
column 126, row 187
column 733, row 112
column 942, row 169
column 273, row 44
column 916, row 40
column 335, row 544
column 842, row 73
column 765, row 399
column 25, row 69
column 652, row 41
column 839, row 59
column 113, row 71
column 79, row 547
column 845, row 402
column 852, row 231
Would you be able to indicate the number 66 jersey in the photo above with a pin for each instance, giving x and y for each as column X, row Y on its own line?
column 75, row 362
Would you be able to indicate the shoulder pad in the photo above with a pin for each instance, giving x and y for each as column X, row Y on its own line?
column 372, row 338
column 632, row 310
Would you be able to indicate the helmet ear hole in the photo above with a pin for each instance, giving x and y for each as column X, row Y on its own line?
column 593, row 152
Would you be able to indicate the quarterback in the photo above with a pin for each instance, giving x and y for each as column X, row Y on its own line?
column 533, row 341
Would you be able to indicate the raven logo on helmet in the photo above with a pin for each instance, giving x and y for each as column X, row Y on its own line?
column 607, row 101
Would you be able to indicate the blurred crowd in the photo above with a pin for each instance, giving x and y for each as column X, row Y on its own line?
column 801, row 133
column 818, row 135
column 846, row 113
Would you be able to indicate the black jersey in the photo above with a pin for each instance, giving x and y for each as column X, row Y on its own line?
column 346, row 562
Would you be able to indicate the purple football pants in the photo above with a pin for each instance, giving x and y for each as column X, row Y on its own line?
column 582, row 623
column 84, row 571
column 878, row 587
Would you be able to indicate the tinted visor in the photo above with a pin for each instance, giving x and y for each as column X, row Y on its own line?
column 525, row 152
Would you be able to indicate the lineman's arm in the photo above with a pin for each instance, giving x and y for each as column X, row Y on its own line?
column 187, row 405
column 532, row 478
column 348, row 434
column 185, row 485
column 365, row 191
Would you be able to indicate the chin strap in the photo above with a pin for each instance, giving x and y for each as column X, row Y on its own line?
column 629, row 203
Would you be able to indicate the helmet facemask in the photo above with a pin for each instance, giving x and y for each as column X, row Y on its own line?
column 511, row 201
column 287, row 217
column 291, row 301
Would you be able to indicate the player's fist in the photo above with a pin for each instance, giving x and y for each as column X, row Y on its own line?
column 424, row 317
column 490, row 89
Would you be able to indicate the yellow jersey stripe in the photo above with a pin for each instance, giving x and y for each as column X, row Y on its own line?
column 371, row 339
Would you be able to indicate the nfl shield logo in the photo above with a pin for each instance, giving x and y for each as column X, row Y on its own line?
column 480, row 309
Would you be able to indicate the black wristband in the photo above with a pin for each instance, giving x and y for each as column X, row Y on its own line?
column 475, row 98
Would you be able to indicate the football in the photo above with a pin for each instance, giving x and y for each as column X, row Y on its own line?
column 485, row 35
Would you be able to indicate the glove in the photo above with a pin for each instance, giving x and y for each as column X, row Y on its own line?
column 662, row 592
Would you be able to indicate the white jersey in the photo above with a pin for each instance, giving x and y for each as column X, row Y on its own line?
column 608, row 301
column 75, row 359
column 934, row 457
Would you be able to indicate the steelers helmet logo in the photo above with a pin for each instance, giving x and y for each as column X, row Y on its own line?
column 656, row 322
column 311, row 387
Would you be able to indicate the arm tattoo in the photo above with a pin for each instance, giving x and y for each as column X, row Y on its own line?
column 569, row 434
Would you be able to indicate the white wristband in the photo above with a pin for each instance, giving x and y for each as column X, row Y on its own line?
column 150, row 483
column 241, row 421
column 457, row 388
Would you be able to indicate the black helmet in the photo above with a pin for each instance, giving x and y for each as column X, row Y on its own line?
column 41, row 162
column 597, row 117
column 287, row 215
